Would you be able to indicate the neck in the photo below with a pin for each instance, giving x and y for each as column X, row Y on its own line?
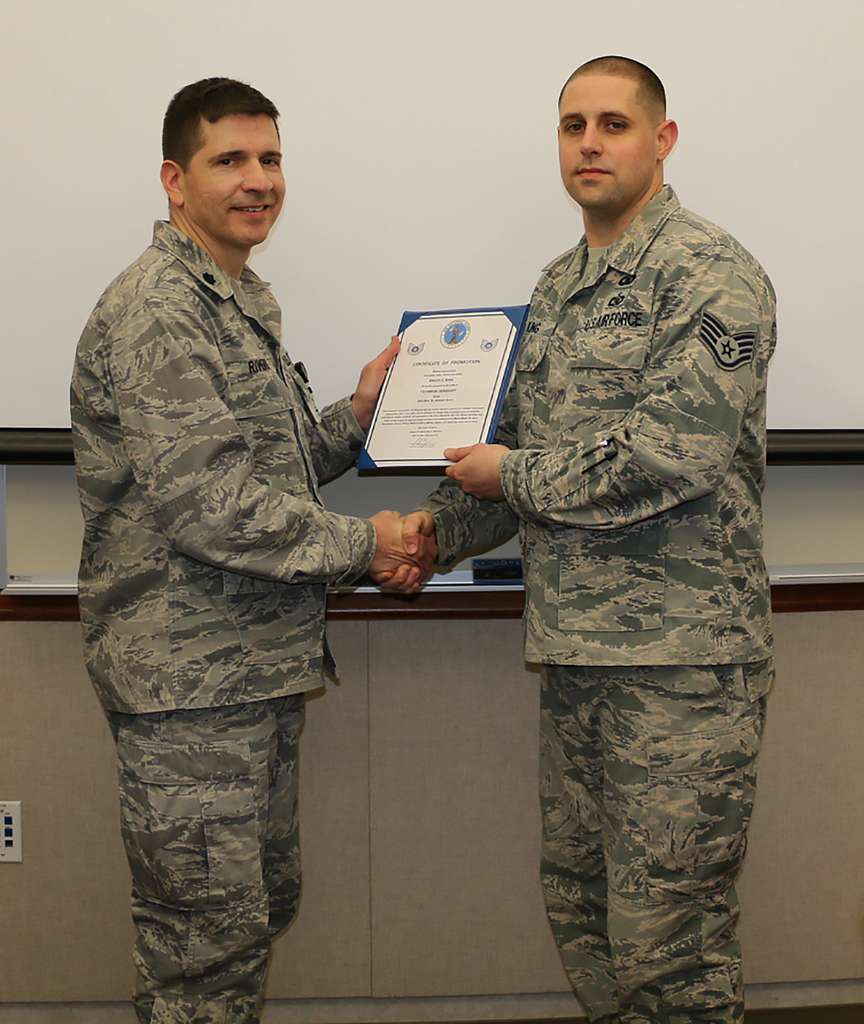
column 603, row 227
column 231, row 260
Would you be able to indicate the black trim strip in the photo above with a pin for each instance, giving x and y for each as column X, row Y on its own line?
column 811, row 447
column 42, row 447
column 21, row 446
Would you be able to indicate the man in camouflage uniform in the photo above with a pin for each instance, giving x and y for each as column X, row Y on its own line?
column 207, row 550
column 631, row 459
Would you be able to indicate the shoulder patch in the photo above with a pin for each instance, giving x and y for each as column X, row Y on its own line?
column 729, row 350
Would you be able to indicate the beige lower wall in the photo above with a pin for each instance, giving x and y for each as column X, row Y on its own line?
column 66, row 933
column 420, row 821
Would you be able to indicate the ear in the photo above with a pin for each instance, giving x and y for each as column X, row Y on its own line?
column 171, row 175
column 667, row 136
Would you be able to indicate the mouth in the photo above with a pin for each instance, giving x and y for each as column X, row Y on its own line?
column 251, row 209
column 591, row 172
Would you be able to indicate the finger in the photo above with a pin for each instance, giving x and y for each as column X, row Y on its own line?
column 391, row 580
column 386, row 356
column 426, row 523
column 457, row 454
column 407, row 582
column 428, row 555
column 403, row 574
column 412, row 527
column 391, row 585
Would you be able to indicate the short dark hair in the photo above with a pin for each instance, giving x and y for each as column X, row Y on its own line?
column 211, row 99
column 650, row 88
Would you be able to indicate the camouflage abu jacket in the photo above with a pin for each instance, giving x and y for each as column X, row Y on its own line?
column 637, row 419
column 199, row 452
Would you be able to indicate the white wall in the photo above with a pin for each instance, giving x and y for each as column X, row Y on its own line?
column 420, row 155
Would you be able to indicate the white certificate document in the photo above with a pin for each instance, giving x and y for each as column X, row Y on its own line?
column 446, row 387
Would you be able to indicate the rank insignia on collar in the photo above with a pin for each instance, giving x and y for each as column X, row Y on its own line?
column 729, row 350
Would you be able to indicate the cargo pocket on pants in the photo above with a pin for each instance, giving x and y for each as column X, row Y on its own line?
column 697, row 811
column 189, row 822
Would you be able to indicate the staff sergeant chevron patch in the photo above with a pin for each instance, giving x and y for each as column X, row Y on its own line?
column 729, row 350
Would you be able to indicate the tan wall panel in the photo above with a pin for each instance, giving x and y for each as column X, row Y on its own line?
column 66, row 933
column 802, row 890
column 326, row 952
column 457, row 906
column 456, row 901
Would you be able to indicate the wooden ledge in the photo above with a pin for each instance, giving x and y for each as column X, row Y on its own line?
column 450, row 604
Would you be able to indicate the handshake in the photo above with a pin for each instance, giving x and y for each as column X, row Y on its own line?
column 406, row 550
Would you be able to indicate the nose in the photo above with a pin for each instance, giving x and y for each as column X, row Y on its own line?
column 256, row 178
column 589, row 143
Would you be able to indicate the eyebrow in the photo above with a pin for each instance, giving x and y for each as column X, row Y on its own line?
column 234, row 154
column 574, row 115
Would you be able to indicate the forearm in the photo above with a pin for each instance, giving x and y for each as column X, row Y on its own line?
column 464, row 524
column 336, row 441
column 244, row 523
column 611, row 480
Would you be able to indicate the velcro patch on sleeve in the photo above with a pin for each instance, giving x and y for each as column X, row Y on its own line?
column 729, row 350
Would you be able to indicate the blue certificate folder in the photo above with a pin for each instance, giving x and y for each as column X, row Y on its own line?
column 453, row 342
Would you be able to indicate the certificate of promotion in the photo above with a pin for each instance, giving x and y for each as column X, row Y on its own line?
column 446, row 387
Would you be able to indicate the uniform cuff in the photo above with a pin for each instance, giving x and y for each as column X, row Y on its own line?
column 514, row 482
column 340, row 419
column 446, row 527
column 362, row 545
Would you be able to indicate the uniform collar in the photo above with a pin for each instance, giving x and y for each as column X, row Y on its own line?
column 203, row 267
column 625, row 253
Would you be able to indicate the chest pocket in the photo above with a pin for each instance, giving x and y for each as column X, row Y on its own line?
column 254, row 389
column 602, row 371
column 268, row 416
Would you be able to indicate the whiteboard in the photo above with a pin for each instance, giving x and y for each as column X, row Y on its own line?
column 421, row 164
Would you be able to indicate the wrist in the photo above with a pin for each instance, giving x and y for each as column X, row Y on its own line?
column 362, row 411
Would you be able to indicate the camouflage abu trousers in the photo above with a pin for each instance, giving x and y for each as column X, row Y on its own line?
column 208, row 806
column 647, row 786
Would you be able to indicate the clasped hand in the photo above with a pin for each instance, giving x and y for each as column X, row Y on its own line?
column 406, row 550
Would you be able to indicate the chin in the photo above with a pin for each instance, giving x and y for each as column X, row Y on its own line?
column 258, row 236
column 591, row 200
